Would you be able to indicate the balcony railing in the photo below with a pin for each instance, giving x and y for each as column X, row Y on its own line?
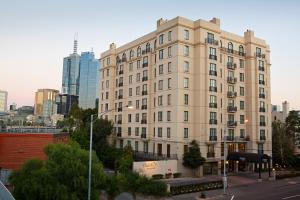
column 121, row 72
column 212, row 41
column 144, row 121
column 120, row 109
column 120, row 97
column 261, row 82
column 147, row 156
column 231, row 109
column 143, row 135
column 213, row 89
column 120, row 84
column 144, row 107
column 259, row 55
column 213, row 72
column 212, row 138
column 231, row 123
column 262, row 123
column 213, row 121
column 144, row 92
column 239, row 53
column 231, row 79
column 231, row 65
column 262, row 96
column 213, row 105
column 262, row 138
column 262, row 109
column 212, row 57
column 260, row 68
column 145, row 78
column 210, row 154
column 145, row 65
column 231, row 94
column 230, row 137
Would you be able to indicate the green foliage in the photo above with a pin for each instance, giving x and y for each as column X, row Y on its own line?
column 177, row 175
column 124, row 163
column 193, row 158
column 109, row 155
column 293, row 123
column 64, row 175
column 157, row 176
column 196, row 187
column 81, row 137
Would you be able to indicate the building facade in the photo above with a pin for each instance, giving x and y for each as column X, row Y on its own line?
column 64, row 103
column 89, row 80
column 189, row 80
column 70, row 78
column 45, row 104
column 3, row 101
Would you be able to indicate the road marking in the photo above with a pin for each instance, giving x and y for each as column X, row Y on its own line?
column 232, row 197
column 298, row 195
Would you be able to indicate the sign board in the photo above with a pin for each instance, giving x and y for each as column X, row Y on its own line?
column 149, row 168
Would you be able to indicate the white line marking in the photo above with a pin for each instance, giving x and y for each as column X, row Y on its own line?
column 298, row 195
column 232, row 197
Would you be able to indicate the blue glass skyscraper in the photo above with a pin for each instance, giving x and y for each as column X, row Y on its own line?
column 89, row 80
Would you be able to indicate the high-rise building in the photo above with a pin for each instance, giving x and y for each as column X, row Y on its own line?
column 189, row 80
column 45, row 104
column 89, row 80
column 64, row 103
column 70, row 78
column 3, row 100
column 278, row 114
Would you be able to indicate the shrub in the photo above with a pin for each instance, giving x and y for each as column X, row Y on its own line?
column 182, row 189
column 177, row 175
column 168, row 175
column 155, row 188
column 157, row 176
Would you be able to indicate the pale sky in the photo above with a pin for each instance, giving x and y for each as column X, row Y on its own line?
column 35, row 35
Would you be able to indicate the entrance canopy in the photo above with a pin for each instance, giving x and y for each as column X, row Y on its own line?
column 248, row 157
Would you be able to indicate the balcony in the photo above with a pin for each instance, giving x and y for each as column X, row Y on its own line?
column 231, row 94
column 212, row 57
column 143, row 135
column 232, row 124
column 119, row 122
column 259, row 55
column 262, row 109
column 262, row 123
column 229, row 138
column 261, row 82
column 262, row 96
column 231, row 65
column 231, row 109
column 210, row 154
column 144, row 92
column 120, row 84
column 212, row 138
column 120, row 109
column 211, row 41
column 120, row 97
column 145, row 78
column 144, row 121
column 231, row 80
column 145, row 65
column 147, row 156
column 213, row 72
column 121, row 72
column 262, row 138
column 213, row 89
column 260, row 68
column 213, row 121
column 144, row 107
column 119, row 134
column 213, row 105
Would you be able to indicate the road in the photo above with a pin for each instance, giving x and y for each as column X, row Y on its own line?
column 286, row 189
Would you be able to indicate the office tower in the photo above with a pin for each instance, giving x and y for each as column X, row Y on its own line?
column 3, row 101
column 45, row 104
column 64, row 103
column 89, row 80
column 189, row 80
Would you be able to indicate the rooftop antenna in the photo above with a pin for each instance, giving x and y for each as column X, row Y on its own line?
column 75, row 43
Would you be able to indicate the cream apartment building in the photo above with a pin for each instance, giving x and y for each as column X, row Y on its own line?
column 189, row 80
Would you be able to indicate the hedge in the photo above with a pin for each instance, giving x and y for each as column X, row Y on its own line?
column 177, row 175
column 182, row 189
column 157, row 176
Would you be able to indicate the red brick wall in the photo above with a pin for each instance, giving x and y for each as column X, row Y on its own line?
column 15, row 149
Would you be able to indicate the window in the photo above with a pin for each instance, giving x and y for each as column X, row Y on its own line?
column 242, row 63
column 144, row 88
column 160, row 85
column 129, row 131
column 161, row 39
column 186, row 116
column 261, row 79
column 262, row 134
column 145, row 73
column 129, row 117
column 137, row 104
column 230, row 47
column 213, row 101
column 186, row 82
column 212, row 53
column 148, row 48
column 159, row 99
column 107, row 72
column 186, row 99
column 186, row 66
column 138, row 77
column 169, row 52
column 186, row 50
column 145, row 147
column 130, row 79
column 130, row 67
column 168, row 115
column 160, row 116
column 241, row 50
column 159, row 132
column 210, row 37
column 138, row 52
column 138, row 90
column 258, row 51
column 106, row 95
column 242, row 91
column 169, row 67
column 213, row 69
column 169, row 35
column 168, row 132
column 107, row 84
column 242, row 77
column 212, row 83
column 137, row 117
column 136, row 146
column 186, row 35
column 138, row 64
column 169, row 83
column 131, row 54
column 242, row 133
column 242, row 119
column 213, row 134
column 185, row 132
column 108, row 61
column 130, row 92
column 161, row 54
column 242, row 105
column 160, row 69
column 212, row 115
column 169, row 99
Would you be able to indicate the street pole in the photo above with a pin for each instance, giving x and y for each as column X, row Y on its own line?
column 90, row 158
column 224, row 170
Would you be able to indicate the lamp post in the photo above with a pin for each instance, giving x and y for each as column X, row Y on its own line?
column 91, row 145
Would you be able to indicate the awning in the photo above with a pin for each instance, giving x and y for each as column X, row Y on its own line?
column 248, row 157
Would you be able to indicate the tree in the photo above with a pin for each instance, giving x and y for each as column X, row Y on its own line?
column 81, row 137
column 293, row 123
column 193, row 158
column 63, row 175
column 124, row 163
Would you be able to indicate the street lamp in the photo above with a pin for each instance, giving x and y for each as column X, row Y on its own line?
column 91, row 145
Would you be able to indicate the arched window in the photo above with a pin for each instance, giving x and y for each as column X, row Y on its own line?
column 241, row 50
column 230, row 47
column 147, row 47
column 138, row 51
column 123, row 57
column 131, row 53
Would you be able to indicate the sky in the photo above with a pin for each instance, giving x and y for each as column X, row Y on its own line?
column 35, row 35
